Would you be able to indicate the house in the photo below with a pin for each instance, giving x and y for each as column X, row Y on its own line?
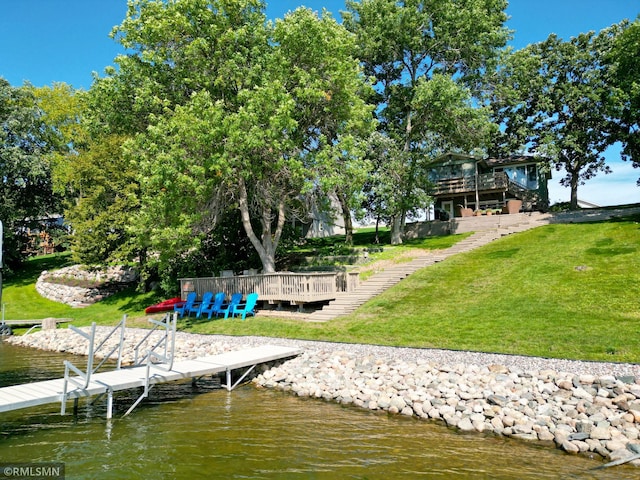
column 38, row 234
column 463, row 184
column 325, row 218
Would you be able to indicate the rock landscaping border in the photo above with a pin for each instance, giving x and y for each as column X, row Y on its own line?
column 68, row 285
column 580, row 407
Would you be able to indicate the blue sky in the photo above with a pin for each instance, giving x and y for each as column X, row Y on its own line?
column 46, row 41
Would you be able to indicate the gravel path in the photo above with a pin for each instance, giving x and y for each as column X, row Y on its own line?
column 448, row 357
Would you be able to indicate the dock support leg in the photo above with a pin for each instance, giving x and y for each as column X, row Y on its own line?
column 231, row 387
column 109, row 404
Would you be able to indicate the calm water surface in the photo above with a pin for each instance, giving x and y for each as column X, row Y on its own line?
column 185, row 432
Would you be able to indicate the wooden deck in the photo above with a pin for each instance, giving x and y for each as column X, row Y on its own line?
column 296, row 288
column 50, row 391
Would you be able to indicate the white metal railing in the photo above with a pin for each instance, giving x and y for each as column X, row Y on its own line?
column 153, row 359
column 84, row 376
column 169, row 330
column 4, row 328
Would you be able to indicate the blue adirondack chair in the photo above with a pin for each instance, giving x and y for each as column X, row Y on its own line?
column 246, row 308
column 215, row 306
column 187, row 305
column 236, row 298
column 207, row 298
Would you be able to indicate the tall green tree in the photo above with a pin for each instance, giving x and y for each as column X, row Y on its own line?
column 424, row 55
column 26, row 141
column 553, row 100
column 227, row 112
column 89, row 173
column 624, row 68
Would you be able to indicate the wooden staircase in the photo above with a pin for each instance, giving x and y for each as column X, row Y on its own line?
column 347, row 302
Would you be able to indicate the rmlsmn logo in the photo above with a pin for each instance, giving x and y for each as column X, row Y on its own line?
column 32, row 471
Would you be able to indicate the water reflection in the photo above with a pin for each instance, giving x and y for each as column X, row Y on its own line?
column 186, row 432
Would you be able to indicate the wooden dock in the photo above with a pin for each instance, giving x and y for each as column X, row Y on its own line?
column 51, row 391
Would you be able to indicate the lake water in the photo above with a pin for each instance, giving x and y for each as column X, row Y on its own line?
column 186, row 432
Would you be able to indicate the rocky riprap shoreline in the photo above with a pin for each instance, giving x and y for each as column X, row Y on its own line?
column 580, row 407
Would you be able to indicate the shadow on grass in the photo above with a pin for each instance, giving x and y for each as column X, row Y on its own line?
column 611, row 251
column 502, row 254
column 131, row 300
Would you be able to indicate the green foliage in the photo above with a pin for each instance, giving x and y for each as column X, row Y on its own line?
column 102, row 194
column 226, row 247
column 26, row 141
column 624, row 62
column 553, row 98
column 228, row 113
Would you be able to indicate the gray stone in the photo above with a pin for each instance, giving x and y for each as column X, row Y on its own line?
column 497, row 400
column 570, row 447
column 465, row 424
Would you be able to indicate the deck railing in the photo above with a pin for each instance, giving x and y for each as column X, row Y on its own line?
column 486, row 182
column 296, row 288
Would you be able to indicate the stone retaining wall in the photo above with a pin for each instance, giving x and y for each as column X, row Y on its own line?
column 110, row 280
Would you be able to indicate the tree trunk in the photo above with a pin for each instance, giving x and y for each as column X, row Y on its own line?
column 267, row 245
column 573, row 205
column 396, row 230
column 346, row 216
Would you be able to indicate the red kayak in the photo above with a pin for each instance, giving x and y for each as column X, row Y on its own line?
column 164, row 306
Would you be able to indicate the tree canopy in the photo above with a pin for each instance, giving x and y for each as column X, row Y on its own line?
column 225, row 111
column 428, row 59
column 26, row 141
column 554, row 100
column 624, row 67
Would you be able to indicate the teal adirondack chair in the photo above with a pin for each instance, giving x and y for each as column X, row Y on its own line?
column 236, row 298
column 187, row 305
column 246, row 308
column 207, row 298
column 214, row 307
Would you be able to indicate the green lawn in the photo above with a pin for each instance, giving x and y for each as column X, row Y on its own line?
column 565, row 291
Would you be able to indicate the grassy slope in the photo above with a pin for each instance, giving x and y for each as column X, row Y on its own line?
column 521, row 294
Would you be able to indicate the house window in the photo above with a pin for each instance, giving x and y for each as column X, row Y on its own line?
column 524, row 175
column 532, row 176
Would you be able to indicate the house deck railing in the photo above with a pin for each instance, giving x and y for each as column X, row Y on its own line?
column 296, row 288
column 486, row 182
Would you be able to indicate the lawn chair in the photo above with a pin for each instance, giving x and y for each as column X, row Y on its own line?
column 215, row 306
column 207, row 298
column 246, row 308
column 236, row 298
column 185, row 307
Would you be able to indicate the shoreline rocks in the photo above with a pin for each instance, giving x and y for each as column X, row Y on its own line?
column 580, row 407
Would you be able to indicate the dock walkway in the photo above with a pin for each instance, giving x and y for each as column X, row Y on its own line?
column 51, row 391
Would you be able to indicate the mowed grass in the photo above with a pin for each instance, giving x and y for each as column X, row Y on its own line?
column 563, row 291
column 22, row 301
